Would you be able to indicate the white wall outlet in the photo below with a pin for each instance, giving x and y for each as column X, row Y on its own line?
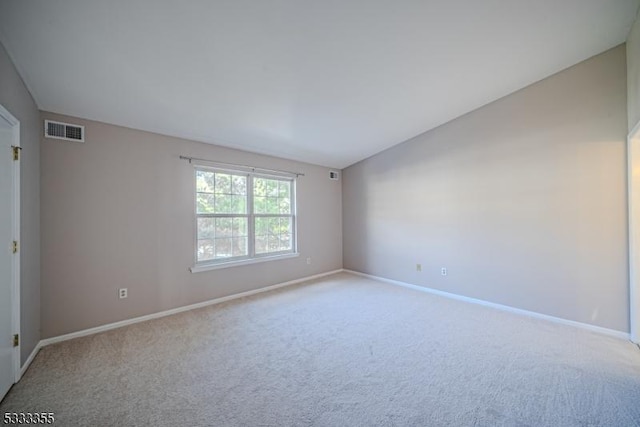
column 123, row 293
column 309, row 261
column 443, row 271
column 418, row 267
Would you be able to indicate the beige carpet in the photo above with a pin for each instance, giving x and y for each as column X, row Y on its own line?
column 342, row 351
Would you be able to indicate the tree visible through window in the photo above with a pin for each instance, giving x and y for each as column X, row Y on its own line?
column 243, row 215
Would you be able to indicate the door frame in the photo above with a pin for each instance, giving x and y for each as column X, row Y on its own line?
column 633, row 186
column 15, row 288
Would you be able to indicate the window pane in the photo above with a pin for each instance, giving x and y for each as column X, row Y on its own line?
column 261, row 244
column 222, row 203
column 239, row 227
column 204, row 181
column 239, row 247
column 223, row 183
column 227, row 204
column 273, row 234
column 220, row 193
column 285, row 225
column 259, row 187
column 284, row 206
column 223, row 248
column 285, row 242
column 266, row 205
column 239, row 204
column 272, row 196
column 285, row 189
column 223, row 227
column 272, row 205
column 206, row 228
column 222, row 238
column 262, row 226
column 259, row 205
column 205, row 203
column 239, row 185
column 273, row 244
column 205, row 250
column 272, row 187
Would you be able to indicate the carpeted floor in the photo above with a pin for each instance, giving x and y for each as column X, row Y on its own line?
column 341, row 351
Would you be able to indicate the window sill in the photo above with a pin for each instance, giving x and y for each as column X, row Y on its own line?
column 217, row 266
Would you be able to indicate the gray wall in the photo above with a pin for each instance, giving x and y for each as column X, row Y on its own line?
column 523, row 200
column 15, row 97
column 633, row 75
column 117, row 212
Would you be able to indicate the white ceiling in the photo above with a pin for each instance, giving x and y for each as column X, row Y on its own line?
column 327, row 82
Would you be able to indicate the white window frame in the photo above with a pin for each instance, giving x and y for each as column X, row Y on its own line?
column 252, row 257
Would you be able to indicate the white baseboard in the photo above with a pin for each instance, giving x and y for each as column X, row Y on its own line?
column 32, row 356
column 593, row 328
column 115, row 325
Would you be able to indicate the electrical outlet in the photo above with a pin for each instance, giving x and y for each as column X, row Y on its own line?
column 309, row 261
column 443, row 271
column 123, row 293
column 418, row 267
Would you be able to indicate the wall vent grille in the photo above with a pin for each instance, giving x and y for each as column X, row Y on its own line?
column 334, row 175
column 65, row 131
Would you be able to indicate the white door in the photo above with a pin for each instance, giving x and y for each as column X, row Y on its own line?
column 7, row 257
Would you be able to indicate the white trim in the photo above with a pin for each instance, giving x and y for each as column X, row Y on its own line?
column 251, row 257
column 593, row 328
column 16, row 258
column 115, row 325
column 15, row 288
column 32, row 356
column 634, row 250
column 216, row 266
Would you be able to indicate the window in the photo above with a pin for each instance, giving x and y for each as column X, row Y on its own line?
column 243, row 216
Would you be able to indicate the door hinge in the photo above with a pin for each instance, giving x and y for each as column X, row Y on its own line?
column 15, row 247
column 16, row 152
column 16, row 340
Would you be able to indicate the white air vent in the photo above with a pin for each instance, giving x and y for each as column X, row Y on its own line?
column 334, row 175
column 66, row 131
